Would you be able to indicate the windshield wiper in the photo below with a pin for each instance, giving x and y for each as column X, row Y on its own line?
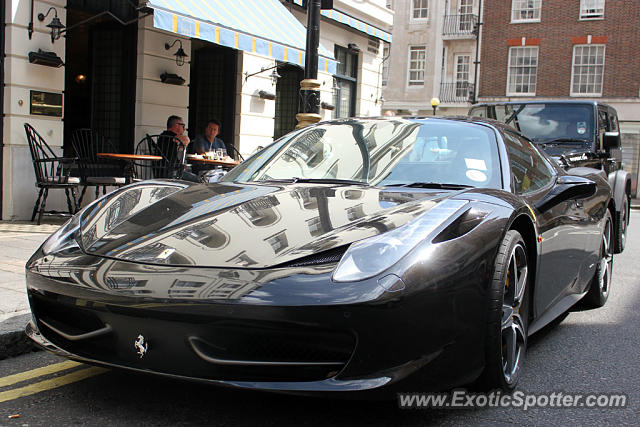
column 557, row 140
column 318, row 181
column 439, row 185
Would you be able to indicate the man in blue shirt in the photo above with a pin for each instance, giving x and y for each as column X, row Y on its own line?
column 208, row 141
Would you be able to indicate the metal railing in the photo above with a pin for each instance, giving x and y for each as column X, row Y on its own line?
column 459, row 92
column 460, row 25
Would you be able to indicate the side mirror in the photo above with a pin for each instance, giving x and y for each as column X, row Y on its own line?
column 611, row 140
column 567, row 187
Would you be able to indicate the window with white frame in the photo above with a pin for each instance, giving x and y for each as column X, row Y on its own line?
column 462, row 75
column 591, row 9
column 419, row 9
column 588, row 70
column 417, row 64
column 525, row 10
column 522, row 71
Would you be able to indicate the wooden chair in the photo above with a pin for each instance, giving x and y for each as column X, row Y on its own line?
column 51, row 172
column 173, row 156
column 93, row 170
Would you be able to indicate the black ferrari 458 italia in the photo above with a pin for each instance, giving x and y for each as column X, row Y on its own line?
column 383, row 254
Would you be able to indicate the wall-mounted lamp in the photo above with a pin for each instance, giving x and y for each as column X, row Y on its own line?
column 171, row 79
column 354, row 47
column 336, row 87
column 327, row 106
column 48, row 59
column 434, row 104
column 55, row 24
column 180, row 53
column 274, row 75
column 263, row 94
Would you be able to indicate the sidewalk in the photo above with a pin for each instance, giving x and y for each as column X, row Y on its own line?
column 18, row 240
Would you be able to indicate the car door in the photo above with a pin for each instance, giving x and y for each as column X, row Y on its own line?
column 563, row 246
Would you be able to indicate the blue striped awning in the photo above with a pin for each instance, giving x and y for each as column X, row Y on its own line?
column 359, row 25
column 265, row 27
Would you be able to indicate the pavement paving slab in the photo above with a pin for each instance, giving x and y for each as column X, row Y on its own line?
column 18, row 240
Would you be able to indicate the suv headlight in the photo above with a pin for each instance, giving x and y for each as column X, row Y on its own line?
column 374, row 255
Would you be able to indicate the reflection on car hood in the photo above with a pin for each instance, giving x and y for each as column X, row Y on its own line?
column 244, row 225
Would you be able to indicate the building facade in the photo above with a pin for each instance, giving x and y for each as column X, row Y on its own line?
column 433, row 55
column 118, row 73
column 565, row 49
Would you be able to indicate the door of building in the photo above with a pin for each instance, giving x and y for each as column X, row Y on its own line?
column 287, row 96
column 212, row 90
column 100, row 73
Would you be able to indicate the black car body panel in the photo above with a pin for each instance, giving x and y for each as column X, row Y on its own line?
column 198, row 282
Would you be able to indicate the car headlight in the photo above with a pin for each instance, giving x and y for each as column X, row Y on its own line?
column 65, row 237
column 374, row 255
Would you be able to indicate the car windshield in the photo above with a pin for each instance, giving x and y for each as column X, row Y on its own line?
column 416, row 152
column 540, row 122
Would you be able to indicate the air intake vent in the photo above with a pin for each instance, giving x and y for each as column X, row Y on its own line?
column 326, row 257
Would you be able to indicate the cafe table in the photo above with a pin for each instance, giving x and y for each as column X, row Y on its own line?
column 129, row 160
column 226, row 164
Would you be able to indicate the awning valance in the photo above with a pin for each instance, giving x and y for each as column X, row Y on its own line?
column 265, row 27
column 359, row 25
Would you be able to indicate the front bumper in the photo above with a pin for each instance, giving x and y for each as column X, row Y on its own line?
column 281, row 330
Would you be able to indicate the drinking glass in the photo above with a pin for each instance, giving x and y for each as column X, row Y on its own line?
column 219, row 153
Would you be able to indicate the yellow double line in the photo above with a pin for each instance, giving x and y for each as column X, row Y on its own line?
column 49, row 384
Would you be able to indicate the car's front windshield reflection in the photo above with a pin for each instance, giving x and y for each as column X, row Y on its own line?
column 381, row 152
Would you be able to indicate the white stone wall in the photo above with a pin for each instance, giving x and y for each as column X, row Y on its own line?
column 156, row 101
column 19, row 192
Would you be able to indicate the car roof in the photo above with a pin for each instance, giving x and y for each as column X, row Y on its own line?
column 546, row 101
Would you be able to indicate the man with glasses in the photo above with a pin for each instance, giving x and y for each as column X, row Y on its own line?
column 169, row 143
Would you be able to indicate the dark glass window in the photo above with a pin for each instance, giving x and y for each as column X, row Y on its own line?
column 344, row 97
column 529, row 169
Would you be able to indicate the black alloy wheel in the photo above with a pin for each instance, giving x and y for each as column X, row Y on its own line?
column 508, row 316
column 601, row 282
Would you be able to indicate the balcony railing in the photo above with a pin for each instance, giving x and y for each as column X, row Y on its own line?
column 460, row 25
column 459, row 92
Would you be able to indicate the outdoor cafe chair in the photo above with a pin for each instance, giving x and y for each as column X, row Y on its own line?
column 95, row 171
column 52, row 172
column 172, row 164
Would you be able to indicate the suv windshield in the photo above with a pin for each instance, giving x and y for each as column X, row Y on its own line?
column 542, row 122
column 417, row 152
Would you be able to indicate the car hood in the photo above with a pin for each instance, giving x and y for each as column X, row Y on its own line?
column 243, row 225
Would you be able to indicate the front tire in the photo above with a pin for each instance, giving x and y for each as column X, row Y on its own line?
column 601, row 282
column 621, row 225
column 508, row 315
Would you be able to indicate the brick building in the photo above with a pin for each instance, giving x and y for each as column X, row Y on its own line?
column 565, row 49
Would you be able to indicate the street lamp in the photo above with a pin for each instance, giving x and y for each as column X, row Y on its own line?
column 434, row 104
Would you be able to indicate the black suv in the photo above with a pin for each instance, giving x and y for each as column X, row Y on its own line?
column 577, row 134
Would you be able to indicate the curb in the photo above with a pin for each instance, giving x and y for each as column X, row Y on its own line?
column 13, row 340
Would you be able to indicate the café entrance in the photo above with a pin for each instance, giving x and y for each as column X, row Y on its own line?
column 100, row 73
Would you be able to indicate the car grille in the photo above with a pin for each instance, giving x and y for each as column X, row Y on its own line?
column 193, row 346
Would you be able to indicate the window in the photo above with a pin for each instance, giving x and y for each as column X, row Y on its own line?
column 344, row 97
column 587, row 70
column 591, row 9
column 525, row 10
column 419, row 9
column 530, row 171
column 462, row 75
column 523, row 69
column 417, row 64
column 465, row 9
